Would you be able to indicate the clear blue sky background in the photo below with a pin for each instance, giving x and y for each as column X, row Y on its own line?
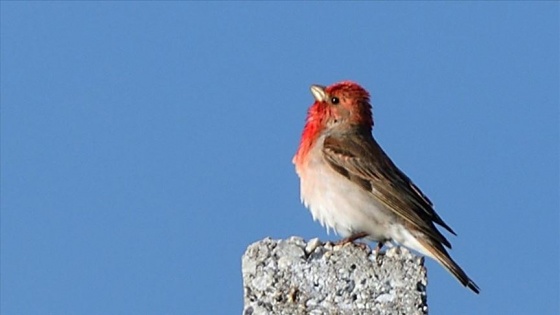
column 146, row 145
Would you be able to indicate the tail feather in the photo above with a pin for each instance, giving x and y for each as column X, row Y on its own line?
column 438, row 252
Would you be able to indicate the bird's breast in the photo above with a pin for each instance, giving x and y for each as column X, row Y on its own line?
column 338, row 203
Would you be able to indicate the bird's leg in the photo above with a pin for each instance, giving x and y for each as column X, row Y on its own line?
column 377, row 252
column 351, row 238
column 379, row 247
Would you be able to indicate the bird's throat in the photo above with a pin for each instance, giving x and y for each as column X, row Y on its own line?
column 309, row 136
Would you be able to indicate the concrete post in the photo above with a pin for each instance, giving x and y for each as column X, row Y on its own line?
column 296, row 277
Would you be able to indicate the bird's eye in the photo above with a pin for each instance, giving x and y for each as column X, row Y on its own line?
column 335, row 100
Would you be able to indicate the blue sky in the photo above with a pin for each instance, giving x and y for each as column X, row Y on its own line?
column 145, row 145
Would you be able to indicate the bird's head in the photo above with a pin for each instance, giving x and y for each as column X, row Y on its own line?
column 338, row 107
column 341, row 105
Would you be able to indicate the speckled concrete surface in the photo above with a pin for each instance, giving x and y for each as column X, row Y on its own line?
column 293, row 276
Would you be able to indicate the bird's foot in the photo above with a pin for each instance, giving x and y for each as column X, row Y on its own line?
column 351, row 238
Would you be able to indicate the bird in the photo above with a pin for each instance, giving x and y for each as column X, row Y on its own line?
column 350, row 184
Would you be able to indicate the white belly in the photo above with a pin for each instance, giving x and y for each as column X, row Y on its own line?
column 338, row 203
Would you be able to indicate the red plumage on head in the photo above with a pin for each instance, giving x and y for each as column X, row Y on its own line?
column 361, row 105
column 356, row 100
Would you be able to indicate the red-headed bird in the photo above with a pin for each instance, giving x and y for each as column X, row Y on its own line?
column 350, row 185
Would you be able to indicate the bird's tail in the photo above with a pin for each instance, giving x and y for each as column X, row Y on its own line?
column 438, row 252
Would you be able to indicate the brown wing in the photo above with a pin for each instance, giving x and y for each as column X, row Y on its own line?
column 360, row 159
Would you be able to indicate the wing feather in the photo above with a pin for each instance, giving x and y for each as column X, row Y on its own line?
column 360, row 159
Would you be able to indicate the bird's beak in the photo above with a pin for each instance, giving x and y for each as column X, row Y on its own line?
column 318, row 92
